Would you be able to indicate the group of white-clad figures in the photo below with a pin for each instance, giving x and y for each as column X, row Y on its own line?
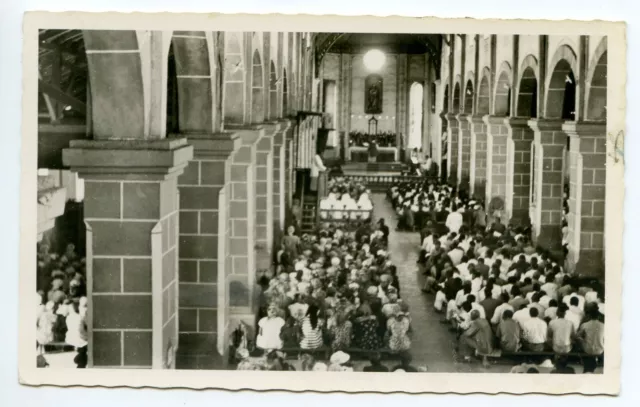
column 346, row 201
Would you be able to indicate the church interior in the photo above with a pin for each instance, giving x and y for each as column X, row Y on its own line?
column 189, row 186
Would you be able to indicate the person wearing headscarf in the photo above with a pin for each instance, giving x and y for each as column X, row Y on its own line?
column 398, row 327
column 339, row 362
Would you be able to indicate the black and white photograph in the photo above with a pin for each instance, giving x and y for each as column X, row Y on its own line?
column 437, row 197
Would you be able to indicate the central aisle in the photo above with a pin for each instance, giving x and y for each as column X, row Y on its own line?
column 432, row 343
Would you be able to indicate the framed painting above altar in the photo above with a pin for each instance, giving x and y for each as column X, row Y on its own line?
column 373, row 94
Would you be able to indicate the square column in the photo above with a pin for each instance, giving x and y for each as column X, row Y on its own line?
column 464, row 152
column 242, row 213
column 279, row 178
column 587, row 155
column 131, row 213
column 203, row 238
column 478, row 157
column 264, row 195
column 546, row 204
column 454, row 169
column 496, row 190
column 519, row 169
column 288, row 169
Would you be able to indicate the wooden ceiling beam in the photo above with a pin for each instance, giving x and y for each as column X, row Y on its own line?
column 57, row 94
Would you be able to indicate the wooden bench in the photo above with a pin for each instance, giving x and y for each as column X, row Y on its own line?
column 325, row 352
column 499, row 354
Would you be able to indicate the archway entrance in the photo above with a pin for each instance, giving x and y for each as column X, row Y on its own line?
column 416, row 108
column 257, row 90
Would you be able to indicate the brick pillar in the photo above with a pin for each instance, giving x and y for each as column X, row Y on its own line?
column 464, row 152
column 279, row 200
column 242, row 280
column 478, row 156
column 453, row 129
column 203, row 188
column 131, row 213
column 496, row 165
column 264, row 196
column 586, row 217
column 520, row 138
column 288, row 168
column 549, row 145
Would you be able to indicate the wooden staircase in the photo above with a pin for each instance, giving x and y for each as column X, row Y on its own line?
column 309, row 214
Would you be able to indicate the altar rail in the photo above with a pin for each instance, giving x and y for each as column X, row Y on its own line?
column 348, row 219
column 382, row 183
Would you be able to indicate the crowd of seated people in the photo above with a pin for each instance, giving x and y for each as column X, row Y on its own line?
column 428, row 203
column 347, row 199
column 499, row 292
column 362, row 139
column 334, row 290
column 62, row 303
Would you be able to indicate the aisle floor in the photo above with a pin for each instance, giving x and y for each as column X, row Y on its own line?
column 432, row 343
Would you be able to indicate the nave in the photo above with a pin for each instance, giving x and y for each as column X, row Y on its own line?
column 432, row 342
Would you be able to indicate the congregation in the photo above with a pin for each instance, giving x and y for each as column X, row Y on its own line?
column 61, row 303
column 497, row 292
column 335, row 289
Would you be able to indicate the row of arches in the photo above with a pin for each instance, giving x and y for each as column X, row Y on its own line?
column 209, row 78
column 560, row 100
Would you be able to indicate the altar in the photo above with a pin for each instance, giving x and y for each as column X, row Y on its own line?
column 361, row 154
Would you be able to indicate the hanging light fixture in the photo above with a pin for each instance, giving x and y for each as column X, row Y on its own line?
column 374, row 60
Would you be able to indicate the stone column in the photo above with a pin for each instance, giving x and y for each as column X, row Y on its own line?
column 549, row 145
column 478, row 156
column 452, row 128
column 288, row 167
column 586, row 217
column 203, row 270
column 279, row 200
column 242, row 280
column 131, row 213
column 496, row 189
column 264, row 196
column 519, row 173
column 464, row 152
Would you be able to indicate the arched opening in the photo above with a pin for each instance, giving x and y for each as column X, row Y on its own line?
column 445, row 100
column 257, row 89
column 528, row 94
column 468, row 98
column 484, row 98
column 273, row 92
column 569, row 101
column 330, row 102
column 456, row 98
column 597, row 99
column 416, row 106
column 502, row 103
column 444, row 139
column 285, row 93
column 432, row 97
column 173, row 116
column 233, row 80
column 561, row 94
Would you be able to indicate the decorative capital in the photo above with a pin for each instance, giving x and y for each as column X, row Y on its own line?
column 476, row 119
column 128, row 159
column 248, row 134
column 585, row 129
column 217, row 145
column 493, row 120
column 546, row 124
column 517, row 122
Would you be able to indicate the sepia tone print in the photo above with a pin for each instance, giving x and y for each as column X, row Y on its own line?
column 278, row 201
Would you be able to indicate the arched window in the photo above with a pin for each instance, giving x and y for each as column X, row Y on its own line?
column 415, row 115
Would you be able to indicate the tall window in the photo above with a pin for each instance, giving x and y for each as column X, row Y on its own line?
column 415, row 115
